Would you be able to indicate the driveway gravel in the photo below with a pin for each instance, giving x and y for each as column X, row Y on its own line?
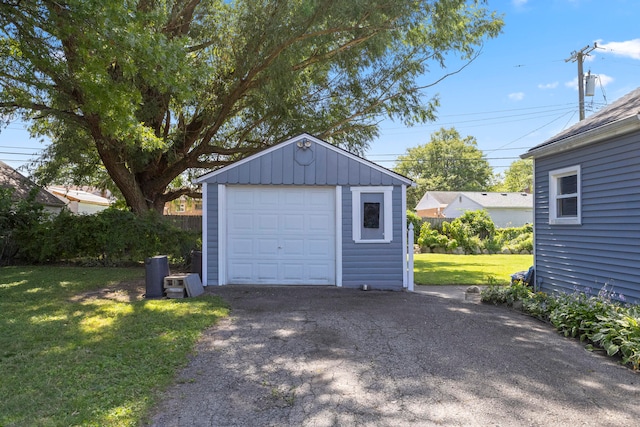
column 324, row 356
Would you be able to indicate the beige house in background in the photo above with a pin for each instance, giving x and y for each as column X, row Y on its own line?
column 184, row 205
column 433, row 203
column 79, row 201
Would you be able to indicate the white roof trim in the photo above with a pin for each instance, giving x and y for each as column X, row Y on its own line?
column 591, row 136
column 340, row 151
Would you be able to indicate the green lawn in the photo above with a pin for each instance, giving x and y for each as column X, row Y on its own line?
column 446, row 269
column 85, row 361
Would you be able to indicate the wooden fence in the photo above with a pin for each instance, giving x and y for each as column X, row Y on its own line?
column 187, row 222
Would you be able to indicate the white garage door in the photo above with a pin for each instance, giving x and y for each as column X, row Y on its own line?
column 281, row 235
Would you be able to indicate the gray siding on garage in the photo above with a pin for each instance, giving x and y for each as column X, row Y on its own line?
column 606, row 247
column 327, row 167
column 212, row 235
column 377, row 264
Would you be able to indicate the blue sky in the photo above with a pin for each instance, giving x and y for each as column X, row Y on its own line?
column 519, row 92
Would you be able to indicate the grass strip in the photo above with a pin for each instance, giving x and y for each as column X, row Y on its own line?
column 89, row 361
column 448, row 269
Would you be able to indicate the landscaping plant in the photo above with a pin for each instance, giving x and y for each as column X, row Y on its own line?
column 474, row 232
column 602, row 320
column 110, row 237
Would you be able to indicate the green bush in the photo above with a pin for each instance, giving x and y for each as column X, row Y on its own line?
column 479, row 222
column 112, row 236
column 19, row 220
column 413, row 218
column 501, row 294
column 475, row 232
column 602, row 320
column 516, row 239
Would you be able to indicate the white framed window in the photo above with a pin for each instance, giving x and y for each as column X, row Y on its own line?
column 372, row 214
column 565, row 196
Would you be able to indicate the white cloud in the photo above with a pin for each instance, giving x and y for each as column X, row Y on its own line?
column 603, row 80
column 629, row 48
column 548, row 85
column 573, row 84
column 516, row 96
column 518, row 3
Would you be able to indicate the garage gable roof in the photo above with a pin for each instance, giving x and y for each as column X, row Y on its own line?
column 304, row 160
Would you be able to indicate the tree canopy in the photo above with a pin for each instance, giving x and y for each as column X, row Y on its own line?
column 448, row 162
column 142, row 91
column 519, row 177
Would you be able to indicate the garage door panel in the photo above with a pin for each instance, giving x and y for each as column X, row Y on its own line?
column 292, row 271
column 264, row 199
column 267, row 247
column 293, row 247
column 241, row 247
column 268, row 222
column 241, row 271
column 240, row 221
column 320, row 224
column 319, row 247
column 317, row 271
column 281, row 235
column 267, row 271
column 242, row 198
column 292, row 223
column 293, row 199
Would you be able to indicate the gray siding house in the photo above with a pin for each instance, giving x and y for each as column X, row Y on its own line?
column 587, row 203
column 305, row 212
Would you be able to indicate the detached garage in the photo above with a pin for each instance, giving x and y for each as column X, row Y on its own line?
column 305, row 212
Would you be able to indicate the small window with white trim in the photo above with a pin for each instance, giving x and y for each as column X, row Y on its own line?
column 372, row 214
column 564, row 196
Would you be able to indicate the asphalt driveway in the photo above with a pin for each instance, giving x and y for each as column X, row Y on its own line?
column 322, row 356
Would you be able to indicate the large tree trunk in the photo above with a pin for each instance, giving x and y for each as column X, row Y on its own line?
column 121, row 175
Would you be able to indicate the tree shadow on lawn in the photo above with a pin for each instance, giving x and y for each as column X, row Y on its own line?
column 92, row 360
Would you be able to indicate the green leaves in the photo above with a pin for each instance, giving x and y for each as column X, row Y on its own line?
column 157, row 88
column 448, row 162
column 597, row 320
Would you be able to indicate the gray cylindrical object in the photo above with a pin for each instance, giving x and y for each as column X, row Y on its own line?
column 196, row 262
column 156, row 269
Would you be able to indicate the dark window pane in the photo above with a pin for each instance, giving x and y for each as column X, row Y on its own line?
column 371, row 215
column 568, row 207
column 568, row 184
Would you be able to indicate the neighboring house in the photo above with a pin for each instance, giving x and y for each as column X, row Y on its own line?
column 505, row 209
column 305, row 212
column 184, row 206
column 80, row 201
column 22, row 186
column 433, row 203
column 587, row 203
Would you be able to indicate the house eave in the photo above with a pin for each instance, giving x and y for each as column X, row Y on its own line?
column 611, row 130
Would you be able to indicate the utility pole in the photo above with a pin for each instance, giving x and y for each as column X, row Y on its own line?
column 578, row 56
